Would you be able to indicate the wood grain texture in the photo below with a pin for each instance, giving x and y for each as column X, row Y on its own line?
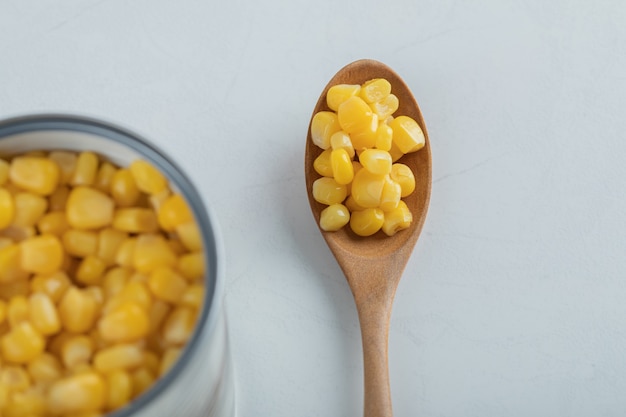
column 373, row 265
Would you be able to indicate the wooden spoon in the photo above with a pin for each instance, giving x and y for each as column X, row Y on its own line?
column 373, row 265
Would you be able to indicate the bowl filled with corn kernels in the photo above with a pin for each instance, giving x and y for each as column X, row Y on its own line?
column 110, row 277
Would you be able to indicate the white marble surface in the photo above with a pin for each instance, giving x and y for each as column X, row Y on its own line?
column 513, row 303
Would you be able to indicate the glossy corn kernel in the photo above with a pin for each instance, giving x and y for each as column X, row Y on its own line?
column 135, row 292
column 407, row 134
column 80, row 243
column 390, row 196
column 375, row 90
column 45, row 368
column 43, row 313
column 29, row 208
column 118, row 357
column 148, row 178
column 104, row 177
column 366, row 138
column 124, row 189
column 15, row 378
column 54, row 223
column 189, row 235
column 119, row 389
column 173, row 212
column 343, row 171
column 90, row 270
column 114, row 281
column 322, row 164
column 7, row 208
column 367, row 188
column 35, row 174
column 58, row 199
column 334, row 217
column 88, row 208
column 192, row 266
column 179, row 325
column 403, row 175
column 17, row 310
column 77, row 310
column 135, row 220
column 385, row 107
column 376, row 161
column 323, row 125
column 3, row 311
column 85, row 170
column 4, row 171
column 367, row 222
column 78, row 393
column 384, row 137
column 193, row 296
column 41, row 254
column 127, row 323
column 109, row 241
column 341, row 140
column 126, row 252
column 151, row 252
column 398, row 219
column 22, row 343
column 167, row 285
column 339, row 93
column 30, row 403
column 76, row 350
column 354, row 115
column 11, row 265
column 328, row 191
column 54, row 286
column 66, row 162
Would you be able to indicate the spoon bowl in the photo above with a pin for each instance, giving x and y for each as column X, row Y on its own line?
column 373, row 265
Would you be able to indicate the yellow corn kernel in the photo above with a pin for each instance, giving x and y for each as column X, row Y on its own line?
column 390, row 197
column 127, row 323
column 148, row 178
column 119, row 389
column 4, row 171
column 385, row 107
column 88, row 208
column 58, row 199
column 104, row 177
column 97, row 293
column 135, row 292
column 35, row 174
column 177, row 246
column 118, row 357
column 77, row 310
column 395, row 152
column 7, row 208
column 179, row 325
column 158, row 311
column 55, row 343
column 323, row 125
column 11, row 265
column 397, row 219
column 77, row 350
column 14, row 377
column 170, row 357
column 18, row 233
column 334, row 217
column 403, row 175
column 142, row 380
column 341, row 140
column 43, row 314
column 67, row 164
column 192, row 266
column 80, row 243
column 13, row 289
column 156, row 200
column 109, row 241
column 90, row 270
column 167, row 285
column 126, row 252
column 376, row 161
column 366, row 138
column 343, row 171
column 5, row 241
column 367, row 188
column 22, row 343
column 354, row 115
column 189, row 234
column 367, row 222
column 322, row 164
column 45, row 368
column 54, row 286
column 30, row 403
column 81, row 368
column 5, row 393
column 78, row 393
column 42, row 254
column 384, row 137
column 124, row 189
column 114, row 281
column 135, row 220
column 407, row 134
column 17, row 310
column 173, row 212
column 328, row 191
column 339, row 93
column 3, row 311
column 54, row 223
column 86, row 169
column 193, row 296
column 151, row 252
column 28, row 209
column 375, row 90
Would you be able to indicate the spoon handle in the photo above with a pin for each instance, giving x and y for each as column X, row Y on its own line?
column 374, row 318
